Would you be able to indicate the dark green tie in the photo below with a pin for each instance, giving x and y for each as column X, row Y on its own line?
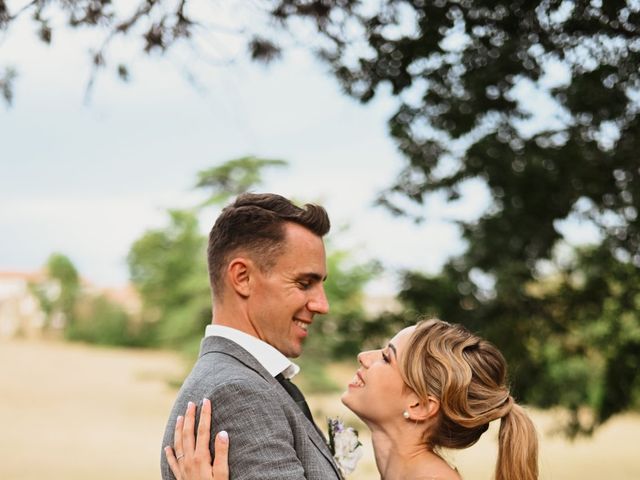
column 295, row 393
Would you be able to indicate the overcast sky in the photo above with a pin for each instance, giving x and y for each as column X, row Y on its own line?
column 87, row 179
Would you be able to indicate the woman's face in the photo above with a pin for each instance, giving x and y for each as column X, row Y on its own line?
column 377, row 392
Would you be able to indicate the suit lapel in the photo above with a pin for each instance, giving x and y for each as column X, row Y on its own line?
column 227, row 347
column 313, row 432
column 319, row 440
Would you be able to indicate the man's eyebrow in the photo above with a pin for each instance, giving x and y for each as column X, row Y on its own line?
column 393, row 347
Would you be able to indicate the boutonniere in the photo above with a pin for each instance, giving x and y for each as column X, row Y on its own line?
column 344, row 445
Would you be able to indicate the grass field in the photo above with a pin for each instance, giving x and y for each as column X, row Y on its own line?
column 76, row 412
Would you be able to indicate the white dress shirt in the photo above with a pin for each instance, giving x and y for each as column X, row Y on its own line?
column 270, row 358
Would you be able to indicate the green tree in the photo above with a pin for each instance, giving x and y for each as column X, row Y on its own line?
column 101, row 321
column 458, row 70
column 234, row 177
column 167, row 267
column 59, row 292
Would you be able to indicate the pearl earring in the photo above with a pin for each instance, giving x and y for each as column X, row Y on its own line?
column 405, row 414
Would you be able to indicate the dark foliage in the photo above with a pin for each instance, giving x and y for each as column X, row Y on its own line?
column 457, row 69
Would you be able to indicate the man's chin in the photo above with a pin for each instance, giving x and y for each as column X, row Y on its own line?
column 295, row 354
column 295, row 350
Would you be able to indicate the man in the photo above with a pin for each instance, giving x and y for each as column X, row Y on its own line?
column 267, row 266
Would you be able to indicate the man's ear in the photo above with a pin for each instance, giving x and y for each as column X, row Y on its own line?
column 239, row 275
column 421, row 410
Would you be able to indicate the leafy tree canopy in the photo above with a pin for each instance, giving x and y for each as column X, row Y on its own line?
column 58, row 292
column 234, row 177
column 466, row 76
column 167, row 267
column 459, row 69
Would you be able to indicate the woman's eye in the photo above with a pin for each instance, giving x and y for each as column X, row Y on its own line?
column 385, row 357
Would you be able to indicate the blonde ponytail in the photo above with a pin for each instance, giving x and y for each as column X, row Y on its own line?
column 517, row 446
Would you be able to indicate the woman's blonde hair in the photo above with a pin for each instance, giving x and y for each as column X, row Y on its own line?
column 468, row 376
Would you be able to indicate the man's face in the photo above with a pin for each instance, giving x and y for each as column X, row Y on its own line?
column 285, row 299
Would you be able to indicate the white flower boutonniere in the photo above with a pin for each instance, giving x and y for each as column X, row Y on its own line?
column 345, row 446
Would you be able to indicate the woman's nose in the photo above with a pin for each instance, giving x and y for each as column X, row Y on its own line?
column 363, row 358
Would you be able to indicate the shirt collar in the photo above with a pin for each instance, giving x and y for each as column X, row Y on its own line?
column 270, row 358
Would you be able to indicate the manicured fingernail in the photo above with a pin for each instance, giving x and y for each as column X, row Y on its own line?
column 223, row 436
column 179, row 419
column 190, row 404
column 205, row 401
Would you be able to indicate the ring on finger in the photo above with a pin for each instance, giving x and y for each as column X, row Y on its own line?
column 179, row 456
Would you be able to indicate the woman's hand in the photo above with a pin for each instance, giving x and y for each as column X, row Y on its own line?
column 190, row 458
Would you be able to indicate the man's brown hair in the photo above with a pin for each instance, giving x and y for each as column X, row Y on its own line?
column 254, row 223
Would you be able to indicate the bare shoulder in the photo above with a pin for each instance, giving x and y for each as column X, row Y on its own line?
column 439, row 469
column 443, row 475
column 450, row 475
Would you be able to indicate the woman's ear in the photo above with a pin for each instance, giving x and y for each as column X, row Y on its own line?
column 239, row 276
column 422, row 410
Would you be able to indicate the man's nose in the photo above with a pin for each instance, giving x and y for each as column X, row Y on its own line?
column 319, row 303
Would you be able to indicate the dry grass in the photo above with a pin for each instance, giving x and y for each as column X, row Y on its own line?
column 76, row 412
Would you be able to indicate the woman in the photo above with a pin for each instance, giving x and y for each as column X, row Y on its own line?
column 435, row 385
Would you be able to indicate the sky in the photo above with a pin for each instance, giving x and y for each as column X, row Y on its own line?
column 87, row 178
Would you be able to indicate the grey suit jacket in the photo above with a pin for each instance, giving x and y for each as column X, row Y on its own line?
column 269, row 436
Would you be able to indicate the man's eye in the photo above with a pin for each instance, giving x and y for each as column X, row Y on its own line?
column 304, row 285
